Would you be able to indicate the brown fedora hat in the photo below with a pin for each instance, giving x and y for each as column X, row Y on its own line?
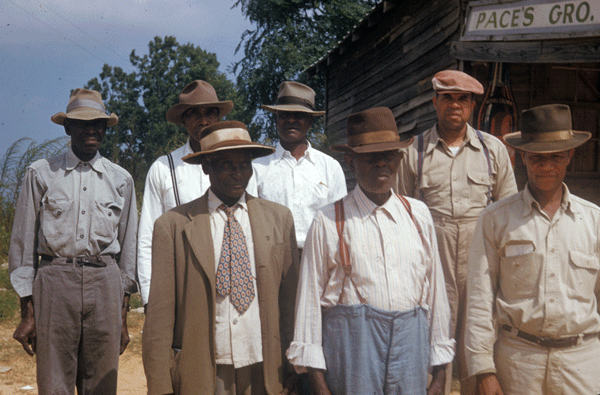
column 294, row 96
column 85, row 105
column 197, row 94
column 546, row 129
column 456, row 81
column 226, row 135
column 372, row 130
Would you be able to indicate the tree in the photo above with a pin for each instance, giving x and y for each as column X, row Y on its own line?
column 290, row 36
column 141, row 100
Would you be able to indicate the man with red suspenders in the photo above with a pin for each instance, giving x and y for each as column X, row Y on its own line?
column 372, row 315
column 456, row 171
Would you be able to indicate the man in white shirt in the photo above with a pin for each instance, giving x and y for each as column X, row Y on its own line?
column 170, row 181
column 372, row 314
column 224, row 278
column 298, row 176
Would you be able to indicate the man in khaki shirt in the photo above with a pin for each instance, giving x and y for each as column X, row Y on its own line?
column 533, row 287
column 457, row 171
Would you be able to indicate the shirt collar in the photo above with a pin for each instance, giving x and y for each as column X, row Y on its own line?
column 280, row 152
column 567, row 203
column 187, row 148
column 72, row 161
column 214, row 202
column 470, row 138
column 366, row 207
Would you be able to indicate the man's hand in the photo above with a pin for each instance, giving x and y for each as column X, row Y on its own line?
column 290, row 386
column 25, row 332
column 318, row 386
column 124, row 331
column 487, row 384
column 438, row 382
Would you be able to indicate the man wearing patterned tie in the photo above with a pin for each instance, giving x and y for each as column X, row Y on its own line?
column 221, row 303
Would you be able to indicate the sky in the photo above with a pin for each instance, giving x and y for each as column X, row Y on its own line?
column 49, row 47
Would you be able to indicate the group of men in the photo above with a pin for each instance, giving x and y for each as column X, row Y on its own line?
column 256, row 265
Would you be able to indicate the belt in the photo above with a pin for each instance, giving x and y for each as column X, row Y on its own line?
column 94, row 261
column 549, row 342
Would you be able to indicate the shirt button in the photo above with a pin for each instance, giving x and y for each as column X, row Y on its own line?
column 81, row 236
column 235, row 321
column 58, row 212
column 552, row 300
column 84, row 188
column 109, row 214
column 83, row 212
column 552, row 274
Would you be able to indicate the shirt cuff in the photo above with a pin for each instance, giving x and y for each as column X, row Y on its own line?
column 304, row 355
column 129, row 285
column 442, row 352
column 480, row 363
column 22, row 280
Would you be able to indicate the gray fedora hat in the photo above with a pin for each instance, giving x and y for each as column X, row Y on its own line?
column 546, row 129
column 294, row 96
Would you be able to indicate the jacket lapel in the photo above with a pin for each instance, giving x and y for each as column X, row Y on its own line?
column 198, row 235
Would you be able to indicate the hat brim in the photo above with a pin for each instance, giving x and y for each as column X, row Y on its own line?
column 292, row 108
column 258, row 150
column 368, row 148
column 85, row 114
column 175, row 113
column 544, row 147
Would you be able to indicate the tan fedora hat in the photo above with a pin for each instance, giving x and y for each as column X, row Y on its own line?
column 372, row 130
column 226, row 135
column 85, row 105
column 197, row 94
column 546, row 129
column 294, row 96
column 456, row 81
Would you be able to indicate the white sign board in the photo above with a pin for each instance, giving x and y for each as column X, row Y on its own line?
column 522, row 19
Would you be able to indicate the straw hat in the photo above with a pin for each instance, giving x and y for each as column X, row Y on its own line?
column 294, row 96
column 85, row 105
column 546, row 129
column 372, row 130
column 226, row 135
column 456, row 81
column 197, row 94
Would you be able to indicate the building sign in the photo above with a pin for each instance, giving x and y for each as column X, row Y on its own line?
column 531, row 19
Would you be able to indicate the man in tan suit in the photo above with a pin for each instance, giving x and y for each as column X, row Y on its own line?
column 224, row 275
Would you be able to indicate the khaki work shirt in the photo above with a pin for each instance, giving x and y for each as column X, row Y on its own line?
column 70, row 208
column 456, row 186
column 536, row 274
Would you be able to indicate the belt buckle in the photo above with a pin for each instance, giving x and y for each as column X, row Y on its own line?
column 95, row 261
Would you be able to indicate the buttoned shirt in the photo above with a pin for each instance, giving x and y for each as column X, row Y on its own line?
column 393, row 270
column 69, row 208
column 159, row 197
column 532, row 272
column 237, row 337
column 456, row 185
column 303, row 185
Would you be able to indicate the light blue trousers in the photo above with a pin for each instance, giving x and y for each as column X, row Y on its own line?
column 372, row 351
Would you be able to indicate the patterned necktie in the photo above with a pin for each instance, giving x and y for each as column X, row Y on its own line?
column 233, row 274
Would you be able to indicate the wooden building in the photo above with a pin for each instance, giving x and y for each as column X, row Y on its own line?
column 537, row 51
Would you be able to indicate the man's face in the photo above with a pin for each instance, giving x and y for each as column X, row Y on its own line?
column 374, row 171
column 86, row 136
column 293, row 126
column 453, row 109
column 546, row 172
column 195, row 119
column 229, row 172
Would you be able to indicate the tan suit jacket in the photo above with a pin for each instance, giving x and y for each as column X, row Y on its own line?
column 181, row 305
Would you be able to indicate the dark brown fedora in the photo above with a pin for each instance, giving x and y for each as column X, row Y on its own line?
column 226, row 135
column 372, row 130
column 546, row 129
column 294, row 96
column 197, row 94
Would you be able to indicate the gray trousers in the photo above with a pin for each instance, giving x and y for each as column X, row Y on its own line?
column 372, row 351
column 78, row 327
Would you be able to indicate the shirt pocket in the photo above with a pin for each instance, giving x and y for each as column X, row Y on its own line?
column 479, row 186
column 436, row 188
column 583, row 274
column 520, row 276
column 57, row 223
column 317, row 194
column 105, row 222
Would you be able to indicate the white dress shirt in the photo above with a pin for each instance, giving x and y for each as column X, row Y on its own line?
column 303, row 185
column 237, row 337
column 159, row 197
column 391, row 267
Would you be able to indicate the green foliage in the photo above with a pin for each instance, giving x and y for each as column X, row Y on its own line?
column 290, row 36
column 141, row 100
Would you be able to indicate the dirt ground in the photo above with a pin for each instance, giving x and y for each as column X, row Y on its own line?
column 132, row 380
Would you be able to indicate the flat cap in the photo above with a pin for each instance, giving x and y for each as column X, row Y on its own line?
column 456, row 81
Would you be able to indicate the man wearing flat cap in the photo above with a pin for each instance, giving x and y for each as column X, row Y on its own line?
column 372, row 315
column 534, row 284
column 457, row 171
column 170, row 181
column 221, row 303
column 72, row 257
column 296, row 175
